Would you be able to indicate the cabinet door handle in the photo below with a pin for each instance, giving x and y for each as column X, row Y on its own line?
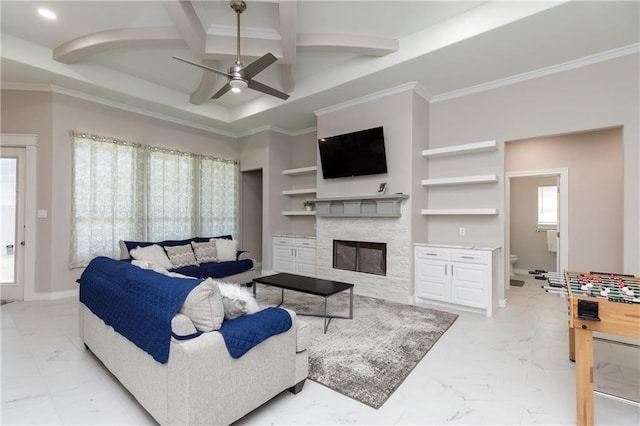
column 431, row 254
column 468, row 257
column 445, row 270
column 452, row 269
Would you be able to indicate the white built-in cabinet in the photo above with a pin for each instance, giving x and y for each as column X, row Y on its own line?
column 463, row 277
column 297, row 193
column 294, row 255
column 460, row 180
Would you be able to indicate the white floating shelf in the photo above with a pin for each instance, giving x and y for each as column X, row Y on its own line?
column 299, row 191
column 460, row 149
column 460, row 180
column 445, row 212
column 299, row 213
column 300, row 171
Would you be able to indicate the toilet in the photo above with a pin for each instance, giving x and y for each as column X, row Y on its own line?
column 513, row 259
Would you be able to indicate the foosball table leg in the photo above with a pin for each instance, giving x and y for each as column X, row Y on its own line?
column 572, row 344
column 584, row 376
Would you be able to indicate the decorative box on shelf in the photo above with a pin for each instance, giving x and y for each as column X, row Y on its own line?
column 361, row 206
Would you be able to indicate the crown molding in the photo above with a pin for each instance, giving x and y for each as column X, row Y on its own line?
column 101, row 101
column 278, row 130
column 567, row 66
column 411, row 86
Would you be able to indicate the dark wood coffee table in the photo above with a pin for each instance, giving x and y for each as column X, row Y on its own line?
column 309, row 285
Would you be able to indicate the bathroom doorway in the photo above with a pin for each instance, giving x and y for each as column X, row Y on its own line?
column 537, row 203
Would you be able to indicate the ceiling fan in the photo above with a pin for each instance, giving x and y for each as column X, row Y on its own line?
column 241, row 76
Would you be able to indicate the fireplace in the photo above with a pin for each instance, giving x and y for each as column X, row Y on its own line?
column 360, row 256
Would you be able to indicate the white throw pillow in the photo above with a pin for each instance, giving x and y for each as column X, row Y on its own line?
column 181, row 256
column 227, row 249
column 204, row 306
column 237, row 300
column 153, row 254
column 205, row 252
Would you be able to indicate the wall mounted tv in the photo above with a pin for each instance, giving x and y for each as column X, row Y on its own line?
column 353, row 154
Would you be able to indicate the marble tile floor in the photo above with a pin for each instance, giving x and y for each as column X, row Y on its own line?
column 511, row 369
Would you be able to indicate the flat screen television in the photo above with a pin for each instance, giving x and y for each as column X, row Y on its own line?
column 353, row 154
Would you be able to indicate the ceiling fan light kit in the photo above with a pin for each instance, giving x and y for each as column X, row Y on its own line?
column 240, row 76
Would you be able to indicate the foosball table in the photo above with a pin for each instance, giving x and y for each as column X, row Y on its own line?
column 603, row 302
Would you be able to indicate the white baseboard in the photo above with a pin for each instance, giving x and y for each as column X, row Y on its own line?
column 56, row 295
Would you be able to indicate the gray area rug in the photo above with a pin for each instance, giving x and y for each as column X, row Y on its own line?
column 366, row 358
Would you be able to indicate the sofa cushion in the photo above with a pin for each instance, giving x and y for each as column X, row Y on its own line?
column 204, row 306
column 153, row 254
column 127, row 246
column 181, row 256
column 205, row 252
column 227, row 249
column 216, row 270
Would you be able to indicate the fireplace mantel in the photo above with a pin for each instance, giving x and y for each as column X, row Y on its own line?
column 360, row 206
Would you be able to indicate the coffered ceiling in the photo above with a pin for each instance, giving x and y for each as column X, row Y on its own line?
column 329, row 52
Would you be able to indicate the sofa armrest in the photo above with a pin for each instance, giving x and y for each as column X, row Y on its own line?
column 182, row 325
column 242, row 255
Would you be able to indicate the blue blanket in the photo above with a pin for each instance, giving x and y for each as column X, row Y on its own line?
column 243, row 333
column 140, row 304
column 137, row 303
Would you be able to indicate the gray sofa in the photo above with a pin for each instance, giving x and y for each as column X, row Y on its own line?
column 201, row 384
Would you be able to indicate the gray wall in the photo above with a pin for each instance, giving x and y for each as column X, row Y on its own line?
column 595, row 164
column 51, row 116
column 597, row 96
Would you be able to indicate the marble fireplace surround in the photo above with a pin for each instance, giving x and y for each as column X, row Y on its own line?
column 394, row 231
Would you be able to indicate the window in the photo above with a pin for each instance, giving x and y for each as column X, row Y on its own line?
column 127, row 191
column 547, row 206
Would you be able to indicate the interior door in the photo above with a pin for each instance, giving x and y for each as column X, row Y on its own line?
column 12, row 223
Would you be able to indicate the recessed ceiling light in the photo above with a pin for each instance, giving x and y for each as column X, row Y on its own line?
column 47, row 14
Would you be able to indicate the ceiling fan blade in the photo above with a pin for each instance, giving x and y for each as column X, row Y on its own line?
column 258, row 65
column 256, row 85
column 224, row 89
column 204, row 67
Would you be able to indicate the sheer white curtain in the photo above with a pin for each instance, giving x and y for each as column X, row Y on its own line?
column 127, row 191
column 107, row 196
column 171, row 207
column 218, row 197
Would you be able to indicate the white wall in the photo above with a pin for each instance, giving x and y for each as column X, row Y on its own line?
column 597, row 96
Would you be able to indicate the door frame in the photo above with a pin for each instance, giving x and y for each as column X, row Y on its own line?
column 30, row 143
column 563, row 217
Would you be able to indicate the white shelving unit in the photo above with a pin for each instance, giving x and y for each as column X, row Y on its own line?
column 450, row 212
column 461, row 149
column 469, row 148
column 300, row 171
column 460, row 180
column 299, row 213
column 299, row 191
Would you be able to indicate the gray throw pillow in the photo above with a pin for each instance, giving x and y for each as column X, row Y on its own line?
column 204, row 306
column 181, row 256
